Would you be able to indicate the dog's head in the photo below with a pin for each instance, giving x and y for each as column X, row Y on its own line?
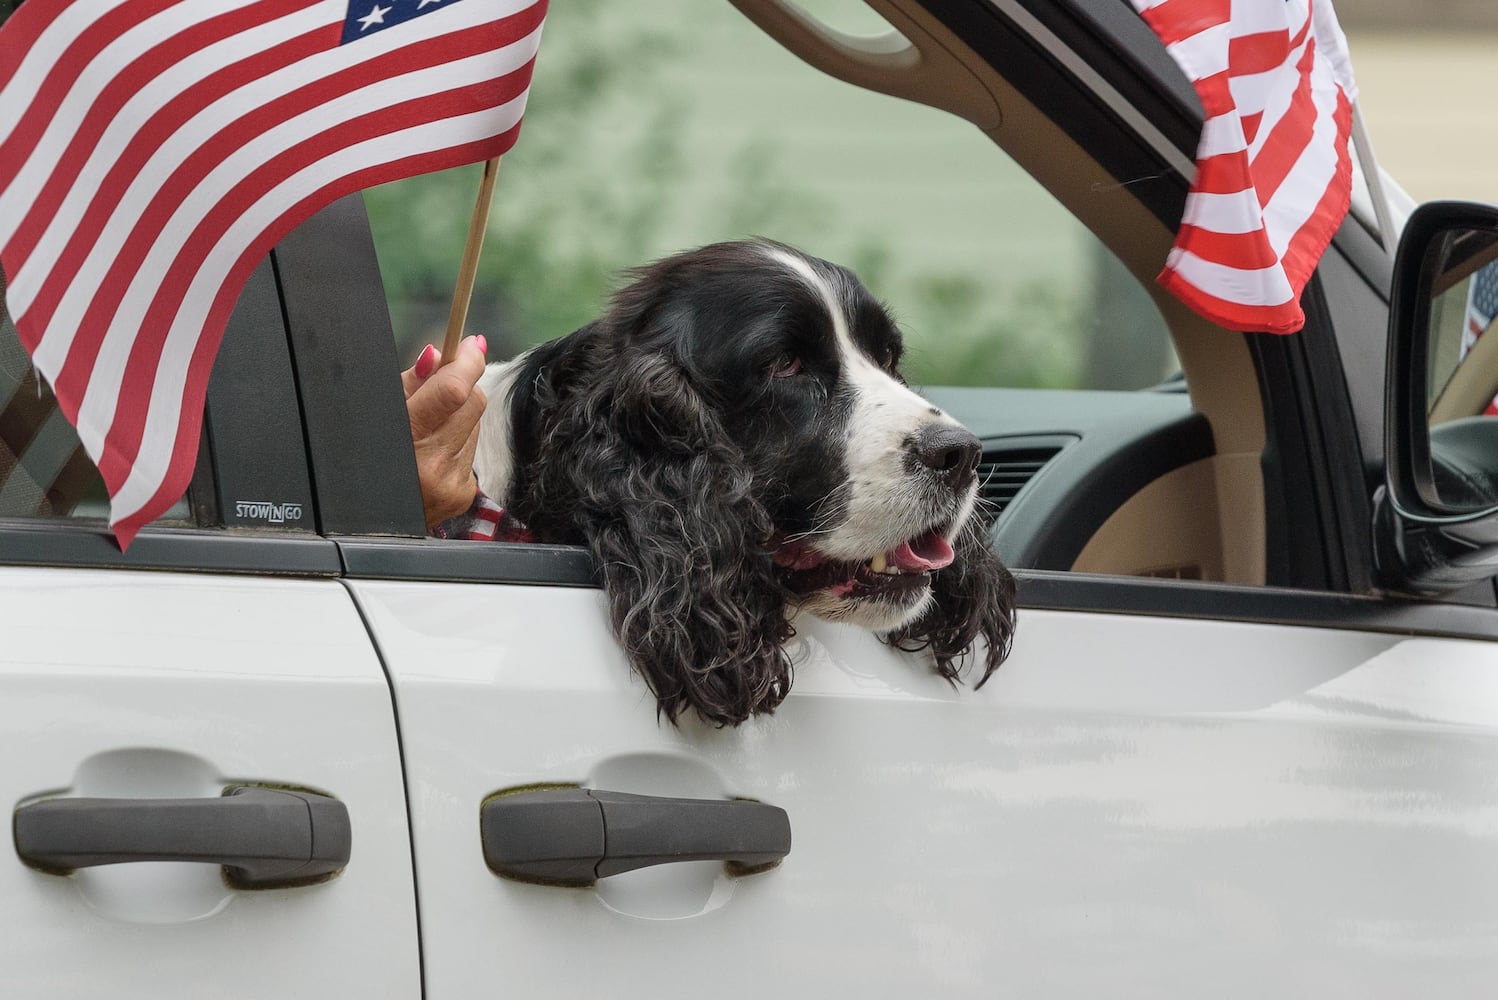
column 735, row 442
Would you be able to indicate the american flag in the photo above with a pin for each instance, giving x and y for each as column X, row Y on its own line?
column 1273, row 174
column 1482, row 307
column 153, row 151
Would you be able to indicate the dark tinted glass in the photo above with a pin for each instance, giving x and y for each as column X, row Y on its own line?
column 44, row 471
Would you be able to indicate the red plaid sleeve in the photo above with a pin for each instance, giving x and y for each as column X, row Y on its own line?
column 485, row 521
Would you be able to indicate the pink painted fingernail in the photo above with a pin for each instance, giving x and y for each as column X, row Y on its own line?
column 427, row 363
column 483, row 343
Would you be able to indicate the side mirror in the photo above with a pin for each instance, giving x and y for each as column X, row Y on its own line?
column 1436, row 517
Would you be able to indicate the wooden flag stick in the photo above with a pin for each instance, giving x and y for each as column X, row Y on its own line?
column 468, row 272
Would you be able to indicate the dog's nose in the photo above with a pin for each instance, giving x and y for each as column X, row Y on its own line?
column 952, row 451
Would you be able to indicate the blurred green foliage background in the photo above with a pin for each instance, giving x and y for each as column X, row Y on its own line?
column 656, row 127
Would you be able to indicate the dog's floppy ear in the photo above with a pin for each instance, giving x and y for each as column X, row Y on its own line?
column 972, row 598
column 638, row 469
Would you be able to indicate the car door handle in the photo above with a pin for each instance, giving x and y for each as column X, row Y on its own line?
column 263, row 837
column 575, row 836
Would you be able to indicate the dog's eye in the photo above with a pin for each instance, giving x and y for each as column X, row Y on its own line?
column 786, row 366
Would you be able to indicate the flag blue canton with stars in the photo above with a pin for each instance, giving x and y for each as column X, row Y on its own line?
column 365, row 17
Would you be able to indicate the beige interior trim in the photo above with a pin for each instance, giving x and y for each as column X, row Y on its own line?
column 1206, row 516
column 1474, row 383
column 1163, row 529
column 1227, row 492
column 1217, row 506
column 909, row 62
column 1241, row 519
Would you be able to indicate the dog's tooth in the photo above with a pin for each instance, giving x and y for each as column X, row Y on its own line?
column 878, row 563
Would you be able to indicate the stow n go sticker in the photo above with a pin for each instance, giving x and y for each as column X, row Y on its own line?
column 267, row 512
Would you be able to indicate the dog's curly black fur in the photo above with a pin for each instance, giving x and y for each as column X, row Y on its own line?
column 628, row 437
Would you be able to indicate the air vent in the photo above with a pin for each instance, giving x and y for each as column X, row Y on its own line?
column 1004, row 472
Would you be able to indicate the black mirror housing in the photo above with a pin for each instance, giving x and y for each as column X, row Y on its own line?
column 1436, row 517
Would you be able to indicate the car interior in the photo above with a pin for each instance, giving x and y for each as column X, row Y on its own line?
column 1120, row 464
column 1462, row 376
column 1464, row 364
column 1164, row 481
column 1082, row 479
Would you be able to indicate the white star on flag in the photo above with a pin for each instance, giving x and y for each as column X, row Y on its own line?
column 374, row 17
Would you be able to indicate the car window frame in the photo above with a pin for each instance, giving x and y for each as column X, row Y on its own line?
column 1319, row 474
column 253, row 449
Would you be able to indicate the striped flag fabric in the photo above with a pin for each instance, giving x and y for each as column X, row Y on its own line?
column 1273, row 172
column 153, row 151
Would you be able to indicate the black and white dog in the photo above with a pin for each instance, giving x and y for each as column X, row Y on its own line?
column 734, row 443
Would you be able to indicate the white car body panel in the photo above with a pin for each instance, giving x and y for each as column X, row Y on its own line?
column 1131, row 807
column 129, row 684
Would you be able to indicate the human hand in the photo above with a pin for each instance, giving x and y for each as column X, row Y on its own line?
column 444, row 405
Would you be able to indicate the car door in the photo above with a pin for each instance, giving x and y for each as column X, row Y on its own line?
column 1243, row 777
column 197, row 740
column 1136, row 805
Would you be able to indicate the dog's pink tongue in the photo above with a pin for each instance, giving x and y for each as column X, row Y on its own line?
column 930, row 551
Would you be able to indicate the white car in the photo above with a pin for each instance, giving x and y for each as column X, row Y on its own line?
column 262, row 753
